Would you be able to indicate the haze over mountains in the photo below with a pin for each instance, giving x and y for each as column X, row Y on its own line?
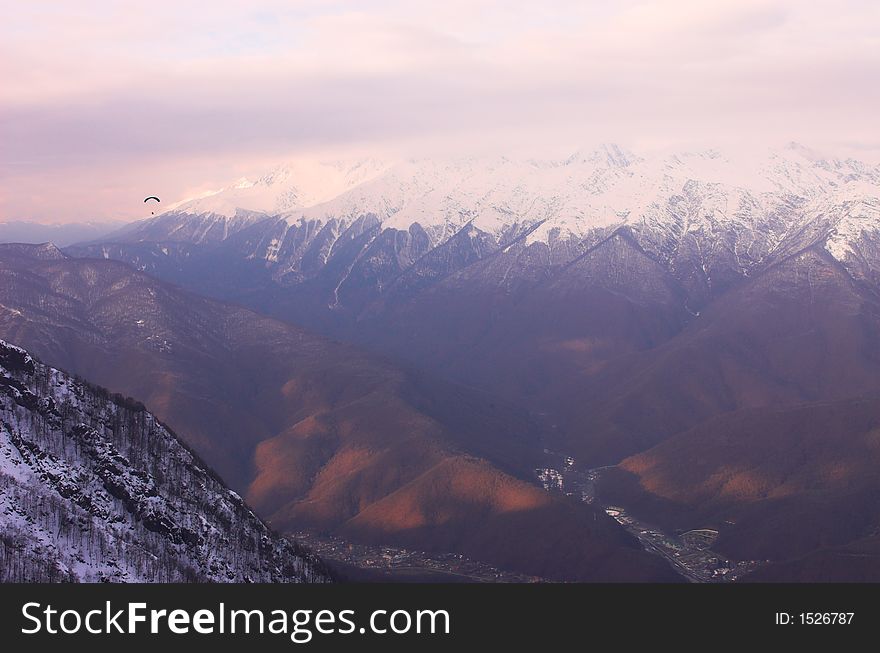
column 23, row 231
column 707, row 323
column 636, row 306
column 312, row 432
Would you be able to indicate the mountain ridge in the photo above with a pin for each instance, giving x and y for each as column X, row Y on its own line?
column 313, row 432
column 93, row 487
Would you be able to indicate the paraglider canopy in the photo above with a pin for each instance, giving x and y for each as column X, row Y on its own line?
column 152, row 197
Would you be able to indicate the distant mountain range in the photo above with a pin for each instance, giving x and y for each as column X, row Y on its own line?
column 21, row 231
column 702, row 326
column 364, row 232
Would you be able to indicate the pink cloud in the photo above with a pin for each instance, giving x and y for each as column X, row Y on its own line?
column 103, row 102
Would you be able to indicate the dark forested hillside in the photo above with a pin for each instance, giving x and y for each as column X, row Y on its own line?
column 94, row 488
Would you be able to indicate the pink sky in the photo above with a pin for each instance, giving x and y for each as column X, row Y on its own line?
column 104, row 103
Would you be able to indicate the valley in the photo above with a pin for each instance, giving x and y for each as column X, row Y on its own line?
column 689, row 552
column 313, row 433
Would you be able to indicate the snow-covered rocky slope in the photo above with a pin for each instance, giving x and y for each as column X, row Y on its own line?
column 94, row 488
column 707, row 216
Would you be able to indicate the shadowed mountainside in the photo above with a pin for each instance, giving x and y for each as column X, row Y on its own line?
column 761, row 419
column 314, row 433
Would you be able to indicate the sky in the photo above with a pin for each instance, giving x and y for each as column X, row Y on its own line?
column 104, row 103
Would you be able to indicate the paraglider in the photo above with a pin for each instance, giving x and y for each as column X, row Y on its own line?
column 151, row 197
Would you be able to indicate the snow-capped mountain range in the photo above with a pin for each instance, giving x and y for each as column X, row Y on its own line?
column 708, row 217
column 285, row 188
column 561, row 198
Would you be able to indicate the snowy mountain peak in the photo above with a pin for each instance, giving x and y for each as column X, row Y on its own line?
column 295, row 184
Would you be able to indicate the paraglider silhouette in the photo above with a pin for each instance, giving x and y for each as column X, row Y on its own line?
column 151, row 197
